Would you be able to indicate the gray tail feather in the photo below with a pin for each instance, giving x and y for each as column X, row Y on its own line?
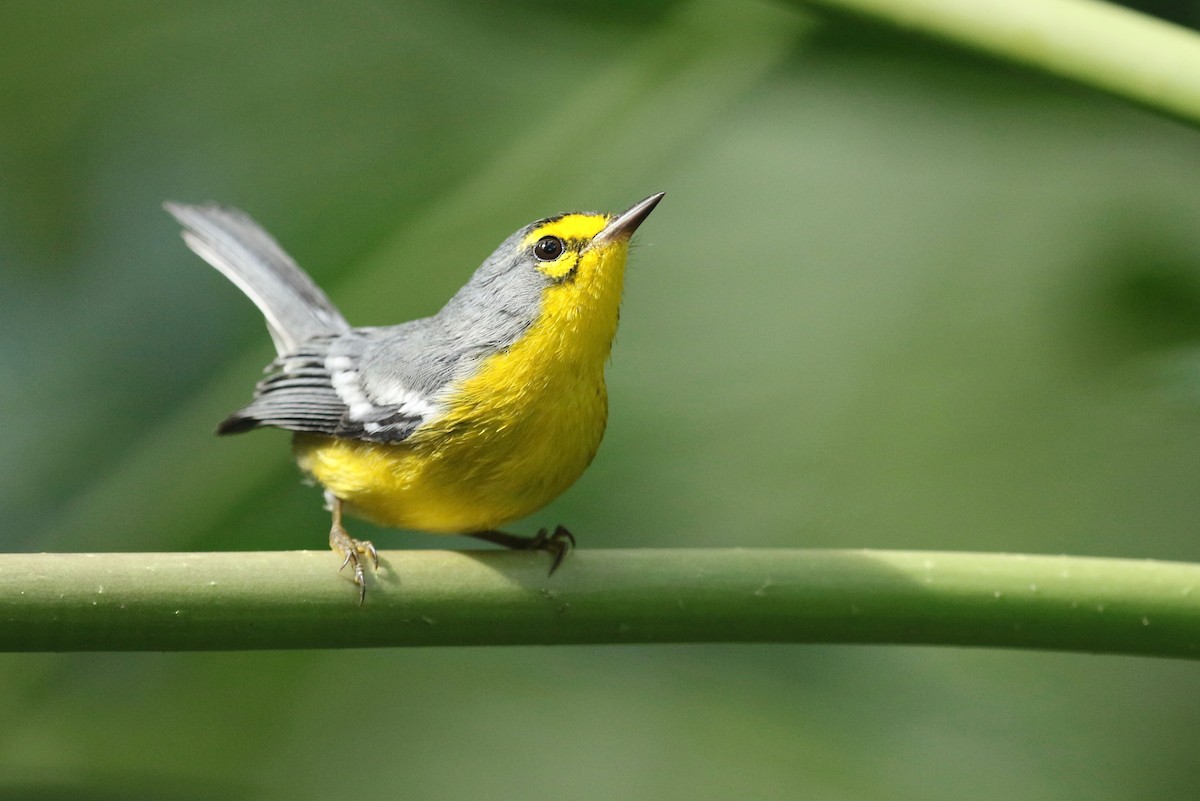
column 295, row 308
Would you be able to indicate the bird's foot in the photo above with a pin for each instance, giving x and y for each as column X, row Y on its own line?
column 557, row 543
column 352, row 551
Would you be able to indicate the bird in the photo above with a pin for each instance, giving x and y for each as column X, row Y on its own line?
column 457, row 423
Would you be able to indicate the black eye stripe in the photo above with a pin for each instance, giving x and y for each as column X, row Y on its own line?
column 576, row 244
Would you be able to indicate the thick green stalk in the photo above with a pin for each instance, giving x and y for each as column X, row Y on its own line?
column 220, row 601
column 1130, row 55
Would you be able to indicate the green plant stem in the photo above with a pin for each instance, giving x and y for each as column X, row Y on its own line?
column 297, row 599
column 1127, row 54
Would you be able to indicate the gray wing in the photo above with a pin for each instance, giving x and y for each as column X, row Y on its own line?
column 377, row 384
column 319, row 388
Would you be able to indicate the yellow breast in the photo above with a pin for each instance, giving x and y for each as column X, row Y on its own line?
column 514, row 435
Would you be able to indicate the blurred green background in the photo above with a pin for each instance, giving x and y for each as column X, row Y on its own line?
column 897, row 296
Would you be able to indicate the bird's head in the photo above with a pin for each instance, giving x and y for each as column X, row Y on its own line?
column 563, row 274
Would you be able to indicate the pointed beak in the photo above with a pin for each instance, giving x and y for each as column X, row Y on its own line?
column 624, row 224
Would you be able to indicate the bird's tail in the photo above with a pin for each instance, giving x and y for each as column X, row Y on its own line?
column 295, row 308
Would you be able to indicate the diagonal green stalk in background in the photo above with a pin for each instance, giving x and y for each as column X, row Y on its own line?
column 1130, row 55
column 296, row 599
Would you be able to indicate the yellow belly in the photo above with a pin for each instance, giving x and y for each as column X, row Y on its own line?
column 465, row 478
column 513, row 438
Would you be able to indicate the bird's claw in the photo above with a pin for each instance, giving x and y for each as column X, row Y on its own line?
column 557, row 544
column 352, row 552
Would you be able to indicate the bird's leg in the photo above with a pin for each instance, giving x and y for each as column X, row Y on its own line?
column 352, row 550
column 556, row 544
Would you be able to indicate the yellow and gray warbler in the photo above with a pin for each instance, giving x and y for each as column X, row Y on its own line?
column 457, row 423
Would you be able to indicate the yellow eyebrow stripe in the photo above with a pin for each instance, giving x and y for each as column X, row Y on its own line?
column 569, row 226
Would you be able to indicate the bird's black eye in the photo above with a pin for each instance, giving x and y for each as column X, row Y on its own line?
column 548, row 248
